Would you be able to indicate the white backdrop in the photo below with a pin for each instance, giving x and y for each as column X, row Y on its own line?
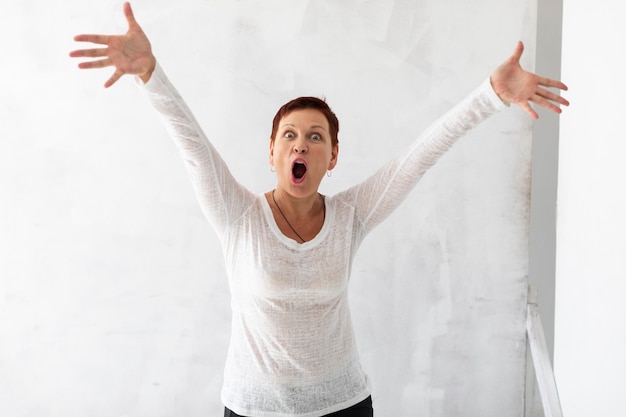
column 113, row 300
column 590, row 325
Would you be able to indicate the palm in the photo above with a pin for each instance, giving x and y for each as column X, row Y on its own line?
column 130, row 53
column 519, row 83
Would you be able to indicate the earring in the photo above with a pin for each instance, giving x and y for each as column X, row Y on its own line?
column 272, row 168
column 329, row 173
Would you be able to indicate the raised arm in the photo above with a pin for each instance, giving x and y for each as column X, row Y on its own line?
column 380, row 194
column 221, row 197
column 130, row 53
column 515, row 85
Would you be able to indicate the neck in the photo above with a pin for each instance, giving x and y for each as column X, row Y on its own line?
column 299, row 219
column 298, row 208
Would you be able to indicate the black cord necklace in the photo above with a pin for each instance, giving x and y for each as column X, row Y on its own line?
column 285, row 217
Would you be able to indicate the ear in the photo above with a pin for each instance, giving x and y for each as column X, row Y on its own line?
column 333, row 157
column 271, row 155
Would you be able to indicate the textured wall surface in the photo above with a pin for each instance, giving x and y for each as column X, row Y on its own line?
column 113, row 300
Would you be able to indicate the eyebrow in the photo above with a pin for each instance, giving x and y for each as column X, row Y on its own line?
column 312, row 127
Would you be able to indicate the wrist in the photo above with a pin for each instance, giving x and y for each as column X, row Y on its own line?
column 145, row 77
column 495, row 90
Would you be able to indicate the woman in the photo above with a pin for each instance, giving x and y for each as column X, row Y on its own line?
column 289, row 252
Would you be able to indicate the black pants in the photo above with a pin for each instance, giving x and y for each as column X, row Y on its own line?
column 362, row 409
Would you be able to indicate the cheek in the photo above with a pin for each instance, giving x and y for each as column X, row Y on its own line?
column 278, row 154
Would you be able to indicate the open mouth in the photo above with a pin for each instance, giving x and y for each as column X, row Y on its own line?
column 298, row 170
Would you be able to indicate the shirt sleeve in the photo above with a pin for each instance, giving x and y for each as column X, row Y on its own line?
column 377, row 197
column 222, row 199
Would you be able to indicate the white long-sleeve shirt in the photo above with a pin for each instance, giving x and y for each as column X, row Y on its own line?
column 292, row 350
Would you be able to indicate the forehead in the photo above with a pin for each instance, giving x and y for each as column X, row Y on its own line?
column 305, row 118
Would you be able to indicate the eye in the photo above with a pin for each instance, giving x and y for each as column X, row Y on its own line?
column 316, row 136
column 289, row 135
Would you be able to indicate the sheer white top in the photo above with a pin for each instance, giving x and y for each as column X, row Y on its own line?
column 292, row 350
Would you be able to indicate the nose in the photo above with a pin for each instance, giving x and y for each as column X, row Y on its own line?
column 300, row 147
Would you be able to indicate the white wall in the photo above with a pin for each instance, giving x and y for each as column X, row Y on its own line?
column 590, row 331
column 112, row 295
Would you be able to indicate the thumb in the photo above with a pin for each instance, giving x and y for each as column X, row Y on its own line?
column 130, row 17
column 517, row 53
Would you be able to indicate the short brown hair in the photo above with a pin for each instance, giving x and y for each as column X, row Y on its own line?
column 315, row 103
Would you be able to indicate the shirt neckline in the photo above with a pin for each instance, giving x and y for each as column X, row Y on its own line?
column 271, row 222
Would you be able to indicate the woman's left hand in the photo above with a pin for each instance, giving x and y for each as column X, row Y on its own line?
column 515, row 85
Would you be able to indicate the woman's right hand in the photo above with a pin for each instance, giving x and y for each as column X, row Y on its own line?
column 130, row 53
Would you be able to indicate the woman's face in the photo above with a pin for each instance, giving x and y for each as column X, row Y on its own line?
column 302, row 152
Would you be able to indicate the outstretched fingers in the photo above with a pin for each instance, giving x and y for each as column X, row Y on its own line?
column 549, row 99
column 545, row 103
column 101, row 63
column 553, row 97
column 545, row 99
column 549, row 95
column 515, row 85
column 92, row 38
column 92, row 52
column 549, row 82
column 528, row 108
column 129, row 53
column 89, row 53
column 113, row 79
